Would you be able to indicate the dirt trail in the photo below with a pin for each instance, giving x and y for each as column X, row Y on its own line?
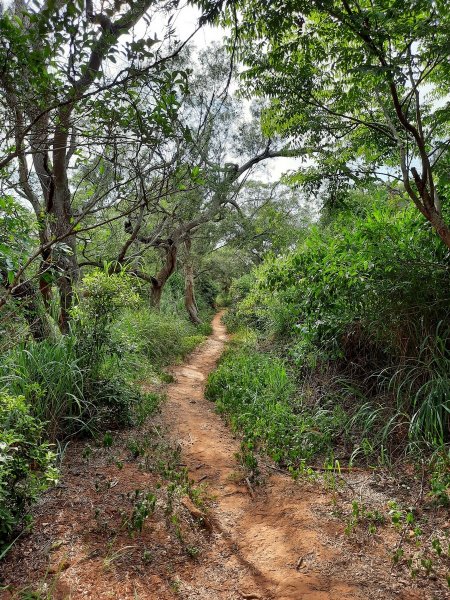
column 269, row 543
column 279, row 541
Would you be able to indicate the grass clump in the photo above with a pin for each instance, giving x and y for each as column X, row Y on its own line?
column 256, row 392
column 49, row 375
column 155, row 337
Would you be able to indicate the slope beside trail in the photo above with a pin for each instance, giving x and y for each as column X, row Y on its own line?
column 272, row 541
column 281, row 540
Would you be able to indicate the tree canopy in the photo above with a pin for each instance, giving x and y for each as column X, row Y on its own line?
column 360, row 86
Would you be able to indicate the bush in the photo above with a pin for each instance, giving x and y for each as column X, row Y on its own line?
column 365, row 296
column 27, row 463
column 74, row 384
column 63, row 393
column 172, row 300
column 48, row 374
column 102, row 298
column 239, row 290
column 159, row 338
column 112, row 400
column 257, row 394
column 206, row 292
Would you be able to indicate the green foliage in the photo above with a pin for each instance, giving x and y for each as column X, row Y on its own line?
column 48, row 374
column 421, row 385
column 172, row 301
column 116, row 402
column 257, row 394
column 377, row 107
column 206, row 292
column 102, row 296
column 361, row 515
column 144, row 504
column 15, row 242
column 73, row 384
column 159, row 338
column 147, row 405
column 366, row 272
column 440, row 478
column 63, row 392
column 359, row 309
column 362, row 306
column 239, row 290
column 26, row 461
column 81, row 382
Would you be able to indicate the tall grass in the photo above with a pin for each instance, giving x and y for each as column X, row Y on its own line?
column 256, row 393
column 158, row 338
column 403, row 410
column 48, row 374
column 74, row 386
column 421, row 387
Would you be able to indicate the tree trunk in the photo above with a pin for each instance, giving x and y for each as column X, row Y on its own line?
column 189, row 287
column 440, row 226
column 65, row 288
column 155, row 294
column 189, row 296
column 65, row 253
column 158, row 282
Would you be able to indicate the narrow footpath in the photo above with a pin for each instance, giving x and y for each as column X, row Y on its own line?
column 115, row 529
column 272, row 541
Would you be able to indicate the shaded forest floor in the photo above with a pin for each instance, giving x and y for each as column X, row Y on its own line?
column 167, row 511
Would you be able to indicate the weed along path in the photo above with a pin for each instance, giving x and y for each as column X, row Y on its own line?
column 125, row 522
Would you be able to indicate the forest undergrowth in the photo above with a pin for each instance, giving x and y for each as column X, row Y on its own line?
column 84, row 385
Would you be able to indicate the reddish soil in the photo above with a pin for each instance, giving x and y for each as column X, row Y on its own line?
column 279, row 540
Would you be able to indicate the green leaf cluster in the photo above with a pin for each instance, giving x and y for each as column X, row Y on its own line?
column 26, row 463
column 363, row 274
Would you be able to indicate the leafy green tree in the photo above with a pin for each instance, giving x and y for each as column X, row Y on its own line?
column 68, row 73
column 199, row 185
column 361, row 85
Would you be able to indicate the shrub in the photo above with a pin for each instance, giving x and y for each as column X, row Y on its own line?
column 172, row 301
column 239, row 290
column 257, row 394
column 102, row 297
column 157, row 337
column 27, row 463
column 207, row 291
column 48, row 374
column 73, row 384
column 365, row 296
column 440, row 477
column 111, row 399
